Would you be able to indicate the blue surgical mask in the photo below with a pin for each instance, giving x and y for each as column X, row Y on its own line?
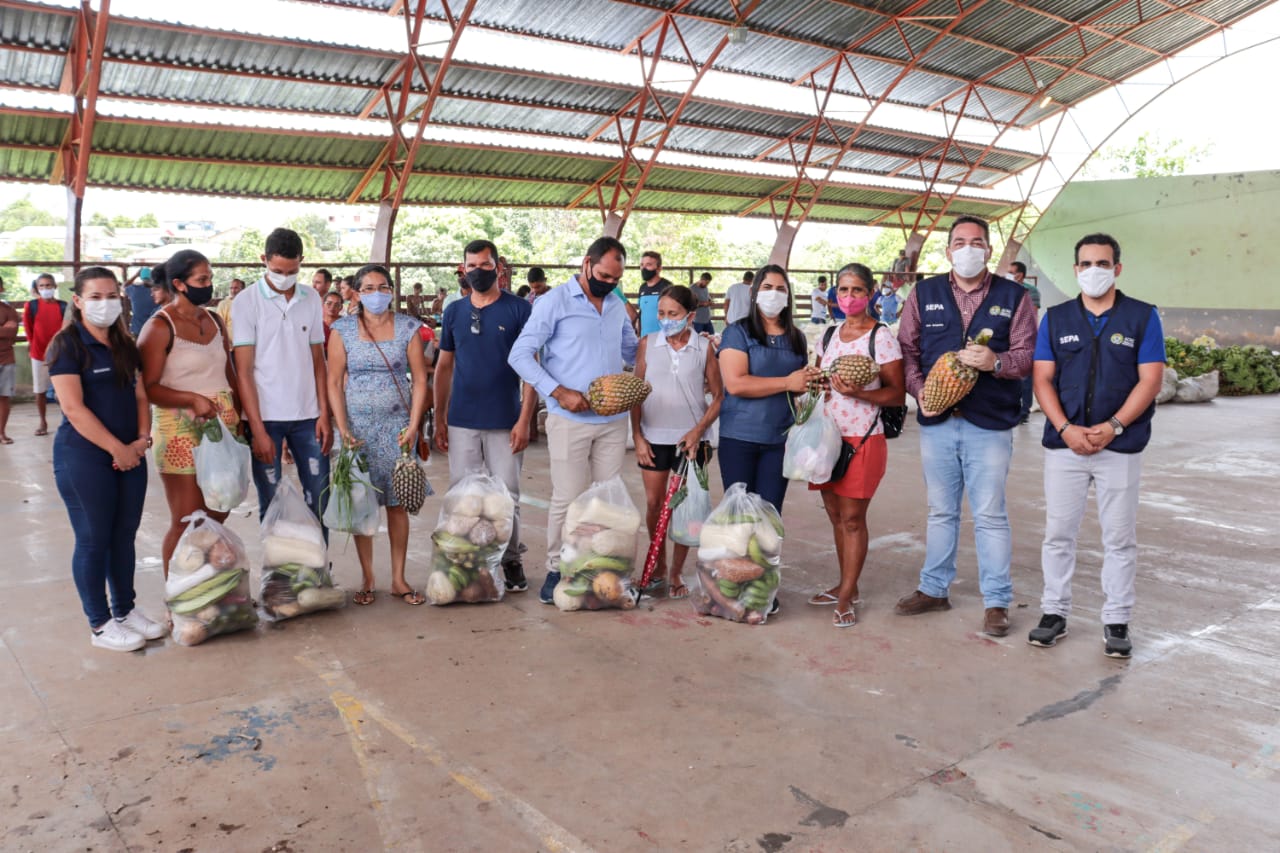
column 376, row 303
column 671, row 328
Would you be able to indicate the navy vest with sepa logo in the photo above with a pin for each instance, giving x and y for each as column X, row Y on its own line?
column 1094, row 374
column 993, row 403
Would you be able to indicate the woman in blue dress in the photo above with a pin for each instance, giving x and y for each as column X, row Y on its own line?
column 376, row 407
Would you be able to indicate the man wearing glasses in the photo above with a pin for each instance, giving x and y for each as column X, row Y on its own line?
column 579, row 333
column 968, row 447
column 481, row 418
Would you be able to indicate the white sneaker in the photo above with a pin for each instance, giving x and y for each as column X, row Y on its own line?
column 140, row 624
column 118, row 637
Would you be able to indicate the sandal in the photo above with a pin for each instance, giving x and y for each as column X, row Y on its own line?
column 363, row 597
column 678, row 591
column 6, row 440
column 826, row 599
column 412, row 597
column 847, row 619
column 44, row 431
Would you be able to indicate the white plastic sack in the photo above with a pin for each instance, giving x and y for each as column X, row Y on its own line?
column 739, row 559
column 352, row 506
column 222, row 468
column 470, row 538
column 207, row 591
column 295, row 561
column 1168, row 386
column 693, row 508
column 813, row 446
column 1197, row 389
column 599, row 550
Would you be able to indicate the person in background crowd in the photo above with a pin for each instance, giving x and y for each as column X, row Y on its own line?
column 818, row 305
column 464, row 290
column 331, row 310
column 968, row 447
column 901, row 266
column 833, row 304
column 1099, row 363
column 857, row 412
column 349, row 301
column 416, row 304
column 575, row 334
column 650, row 289
column 224, row 306
column 671, row 422
column 437, row 304
column 8, row 363
column 482, row 418
column 889, row 304
column 279, row 355
column 523, row 292
column 737, row 299
column 140, row 306
column 762, row 362
column 537, row 279
column 322, row 281
column 99, row 457
column 702, row 297
column 377, row 410
column 1018, row 273
column 189, row 377
column 42, row 319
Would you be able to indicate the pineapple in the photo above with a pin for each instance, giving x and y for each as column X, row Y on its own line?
column 615, row 393
column 949, row 381
column 856, row 370
column 409, row 483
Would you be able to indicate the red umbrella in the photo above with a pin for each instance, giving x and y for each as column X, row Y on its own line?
column 659, row 532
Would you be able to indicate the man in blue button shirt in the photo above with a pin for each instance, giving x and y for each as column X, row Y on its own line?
column 579, row 334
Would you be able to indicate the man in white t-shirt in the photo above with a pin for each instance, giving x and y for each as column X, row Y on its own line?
column 818, row 301
column 737, row 299
column 279, row 351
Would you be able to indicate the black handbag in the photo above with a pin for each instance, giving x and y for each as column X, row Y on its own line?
column 894, row 418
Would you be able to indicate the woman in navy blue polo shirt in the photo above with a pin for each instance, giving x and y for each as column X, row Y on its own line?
column 98, row 456
column 762, row 362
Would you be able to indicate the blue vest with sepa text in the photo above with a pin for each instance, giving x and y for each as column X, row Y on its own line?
column 1094, row 375
column 993, row 403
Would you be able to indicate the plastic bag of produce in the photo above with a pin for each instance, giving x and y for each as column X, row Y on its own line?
column 1197, row 389
column 295, row 562
column 1168, row 386
column 739, row 558
column 353, row 501
column 693, row 508
column 469, row 540
column 222, row 466
column 813, row 443
column 599, row 550
column 207, row 591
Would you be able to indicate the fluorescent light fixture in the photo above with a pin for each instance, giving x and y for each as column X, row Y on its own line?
column 1046, row 100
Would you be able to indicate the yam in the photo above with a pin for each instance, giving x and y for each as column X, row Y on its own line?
column 466, row 504
column 222, row 556
column 188, row 559
column 737, row 570
column 614, row 543
column 440, row 589
column 460, row 525
column 483, row 533
column 498, row 506
column 203, row 538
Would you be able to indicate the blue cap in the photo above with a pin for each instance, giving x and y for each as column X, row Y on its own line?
column 145, row 274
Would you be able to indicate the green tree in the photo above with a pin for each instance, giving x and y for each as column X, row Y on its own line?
column 246, row 250
column 44, row 251
column 316, row 227
column 121, row 221
column 1148, row 157
column 22, row 213
column 148, row 220
column 99, row 219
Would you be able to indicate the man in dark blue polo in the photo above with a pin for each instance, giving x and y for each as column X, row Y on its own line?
column 1099, row 362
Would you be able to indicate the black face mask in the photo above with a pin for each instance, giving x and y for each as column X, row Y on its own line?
column 599, row 289
column 481, row 280
column 647, row 275
column 199, row 295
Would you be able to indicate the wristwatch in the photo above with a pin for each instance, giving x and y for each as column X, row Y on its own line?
column 1116, row 425
column 1064, row 426
column 148, row 439
column 996, row 369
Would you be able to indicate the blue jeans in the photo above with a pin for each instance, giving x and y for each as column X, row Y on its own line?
column 709, row 328
column 105, row 509
column 757, row 465
column 958, row 456
column 312, row 465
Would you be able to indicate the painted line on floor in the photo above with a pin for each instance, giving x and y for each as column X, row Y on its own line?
column 355, row 712
column 540, row 504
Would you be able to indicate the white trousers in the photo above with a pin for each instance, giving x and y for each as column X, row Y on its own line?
column 581, row 454
column 1115, row 478
column 489, row 450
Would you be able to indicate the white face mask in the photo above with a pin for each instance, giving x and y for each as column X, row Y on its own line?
column 771, row 302
column 101, row 312
column 1095, row 281
column 48, row 292
column 968, row 261
column 280, row 281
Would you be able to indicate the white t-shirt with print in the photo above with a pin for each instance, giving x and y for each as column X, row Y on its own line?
column 819, row 309
column 854, row 416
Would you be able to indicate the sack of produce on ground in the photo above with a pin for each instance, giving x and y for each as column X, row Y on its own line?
column 1168, row 386
column 352, row 505
column 691, row 509
column 949, row 381
column 207, row 591
column 599, row 550
column 1197, row 389
column 222, row 466
column 813, row 442
column 469, row 540
column 295, row 561
column 739, row 559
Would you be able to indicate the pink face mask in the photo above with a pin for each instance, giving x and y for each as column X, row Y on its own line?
column 853, row 305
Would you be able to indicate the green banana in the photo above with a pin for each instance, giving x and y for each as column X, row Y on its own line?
column 729, row 589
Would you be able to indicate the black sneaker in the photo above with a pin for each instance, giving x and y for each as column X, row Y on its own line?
column 546, row 595
column 1118, row 643
column 1052, row 628
column 513, row 570
column 775, row 607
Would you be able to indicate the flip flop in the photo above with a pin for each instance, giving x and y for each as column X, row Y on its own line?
column 363, row 598
column 44, row 431
column 6, row 440
column 412, row 597
column 678, row 591
column 847, row 619
column 826, row 599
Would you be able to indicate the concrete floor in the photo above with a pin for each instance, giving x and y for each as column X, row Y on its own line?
column 516, row 727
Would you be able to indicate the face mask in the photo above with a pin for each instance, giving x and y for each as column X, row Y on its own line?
column 1095, row 281
column 647, row 275
column 599, row 289
column 853, row 305
column 481, row 279
column 670, row 327
column 771, row 302
column 101, row 312
column 199, row 295
column 376, row 303
column 968, row 261
column 280, row 281
column 48, row 292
